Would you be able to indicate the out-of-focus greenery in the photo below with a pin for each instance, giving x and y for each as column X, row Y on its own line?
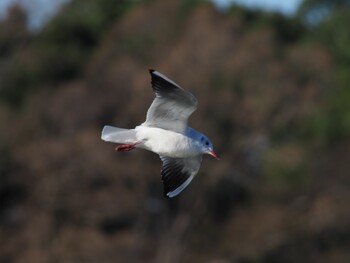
column 60, row 50
column 331, row 123
column 273, row 97
column 285, row 165
column 328, row 123
column 288, row 30
column 75, row 31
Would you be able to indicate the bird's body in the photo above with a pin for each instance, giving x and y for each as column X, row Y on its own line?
column 166, row 133
column 166, row 143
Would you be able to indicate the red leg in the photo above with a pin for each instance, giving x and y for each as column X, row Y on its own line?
column 126, row 147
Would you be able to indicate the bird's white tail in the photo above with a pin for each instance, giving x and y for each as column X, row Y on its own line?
column 118, row 135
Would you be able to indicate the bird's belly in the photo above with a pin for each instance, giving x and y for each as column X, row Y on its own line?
column 166, row 143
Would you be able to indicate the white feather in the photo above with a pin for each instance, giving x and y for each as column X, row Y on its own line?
column 118, row 135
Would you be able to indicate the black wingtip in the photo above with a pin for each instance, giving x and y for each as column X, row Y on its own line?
column 151, row 71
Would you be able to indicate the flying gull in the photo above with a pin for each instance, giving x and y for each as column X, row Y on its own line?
column 166, row 133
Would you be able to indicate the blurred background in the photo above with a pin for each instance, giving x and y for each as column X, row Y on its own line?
column 272, row 79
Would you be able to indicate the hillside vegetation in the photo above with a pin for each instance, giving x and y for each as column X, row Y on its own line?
column 273, row 97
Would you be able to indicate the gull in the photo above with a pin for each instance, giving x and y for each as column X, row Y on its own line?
column 166, row 133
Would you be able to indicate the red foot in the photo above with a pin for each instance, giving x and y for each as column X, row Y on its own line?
column 126, row 147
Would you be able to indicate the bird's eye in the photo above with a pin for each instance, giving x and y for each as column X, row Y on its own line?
column 207, row 143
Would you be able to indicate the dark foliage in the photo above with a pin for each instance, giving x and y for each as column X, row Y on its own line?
column 273, row 97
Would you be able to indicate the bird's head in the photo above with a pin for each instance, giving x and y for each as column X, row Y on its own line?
column 207, row 146
column 204, row 143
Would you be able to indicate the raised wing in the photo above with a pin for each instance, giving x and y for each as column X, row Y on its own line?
column 172, row 106
column 177, row 173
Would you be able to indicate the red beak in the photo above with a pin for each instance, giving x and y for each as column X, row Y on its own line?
column 212, row 153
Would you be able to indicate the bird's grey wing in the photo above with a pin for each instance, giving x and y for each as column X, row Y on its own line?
column 177, row 173
column 172, row 106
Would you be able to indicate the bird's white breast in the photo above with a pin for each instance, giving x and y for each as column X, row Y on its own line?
column 166, row 143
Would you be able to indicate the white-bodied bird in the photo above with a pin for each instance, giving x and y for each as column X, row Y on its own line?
column 166, row 133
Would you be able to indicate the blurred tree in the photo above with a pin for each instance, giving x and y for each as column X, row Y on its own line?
column 74, row 32
column 332, row 123
column 14, row 36
column 257, row 76
column 13, row 31
column 59, row 52
column 287, row 30
column 314, row 11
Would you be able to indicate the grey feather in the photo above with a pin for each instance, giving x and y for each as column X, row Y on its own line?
column 172, row 106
